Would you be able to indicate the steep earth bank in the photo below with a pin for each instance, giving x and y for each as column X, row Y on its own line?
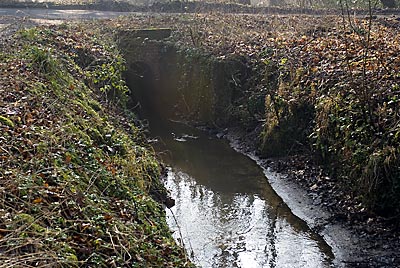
column 77, row 179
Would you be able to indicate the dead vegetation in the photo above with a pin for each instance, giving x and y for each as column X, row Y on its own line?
column 321, row 85
column 75, row 173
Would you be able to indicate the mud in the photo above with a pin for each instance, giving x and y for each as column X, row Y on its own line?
column 357, row 238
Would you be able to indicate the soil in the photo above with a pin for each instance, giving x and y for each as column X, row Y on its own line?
column 358, row 238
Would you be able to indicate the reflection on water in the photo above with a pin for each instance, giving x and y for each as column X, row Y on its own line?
column 226, row 214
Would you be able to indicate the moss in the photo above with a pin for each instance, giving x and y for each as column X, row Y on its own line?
column 25, row 218
column 81, row 178
column 6, row 121
column 288, row 133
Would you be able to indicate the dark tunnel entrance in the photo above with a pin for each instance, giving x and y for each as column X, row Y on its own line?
column 152, row 94
column 141, row 81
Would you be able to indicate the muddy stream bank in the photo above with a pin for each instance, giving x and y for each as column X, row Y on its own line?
column 231, row 209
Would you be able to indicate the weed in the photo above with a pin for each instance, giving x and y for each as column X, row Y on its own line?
column 75, row 175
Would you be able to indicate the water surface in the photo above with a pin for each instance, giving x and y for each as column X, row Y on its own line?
column 226, row 213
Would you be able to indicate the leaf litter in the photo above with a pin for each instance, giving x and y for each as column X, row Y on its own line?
column 76, row 174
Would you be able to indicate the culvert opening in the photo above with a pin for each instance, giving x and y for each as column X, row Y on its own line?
column 141, row 81
column 156, row 94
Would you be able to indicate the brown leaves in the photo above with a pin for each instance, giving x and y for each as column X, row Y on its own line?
column 37, row 200
column 76, row 194
column 68, row 159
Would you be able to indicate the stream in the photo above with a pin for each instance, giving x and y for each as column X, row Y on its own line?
column 226, row 214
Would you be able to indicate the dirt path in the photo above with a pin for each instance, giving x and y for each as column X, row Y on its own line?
column 58, row 14
column 12, row 19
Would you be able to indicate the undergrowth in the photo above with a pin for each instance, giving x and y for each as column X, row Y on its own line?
column 324, row 86
column 337, row 94
column 75, row 172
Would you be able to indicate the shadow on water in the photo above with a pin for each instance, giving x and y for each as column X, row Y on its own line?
column 226, row 213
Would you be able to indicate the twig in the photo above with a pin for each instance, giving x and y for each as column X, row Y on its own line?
column 5, row 151
column 181, row 236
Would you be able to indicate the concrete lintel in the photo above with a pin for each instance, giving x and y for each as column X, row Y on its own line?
column 152, row 34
